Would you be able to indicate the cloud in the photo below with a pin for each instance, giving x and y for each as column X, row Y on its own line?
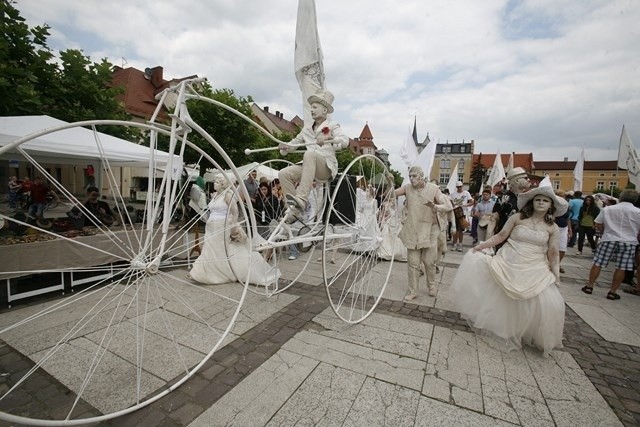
column 543, row 76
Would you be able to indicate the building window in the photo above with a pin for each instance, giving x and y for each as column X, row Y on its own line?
column 557, row 174
column 445, row 163
column 600, row 185
column 460, row 177
column 612, row 185
column 614, row 174
column 462, row 148
column 556, row 185
column 446, row 149
column 461, row 164
column 601, row 174
column 444, row 178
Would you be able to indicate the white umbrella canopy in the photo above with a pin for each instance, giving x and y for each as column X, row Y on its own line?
column 244, row 170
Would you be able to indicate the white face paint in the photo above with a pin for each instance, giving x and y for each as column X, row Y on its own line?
column 415, row 179
column 521, row 184
column 541, row 203
column 318, row 111
column 219, row 184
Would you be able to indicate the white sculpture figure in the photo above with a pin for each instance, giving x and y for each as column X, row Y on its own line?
column 513, row 295
column 506, row 204
column 421, row 228
column 322, row 138
column 228, row 262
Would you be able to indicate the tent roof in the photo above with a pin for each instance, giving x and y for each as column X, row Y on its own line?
column 71, row 144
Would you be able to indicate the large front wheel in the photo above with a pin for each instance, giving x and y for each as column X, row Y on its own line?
column 135, row 326
column 361, row 206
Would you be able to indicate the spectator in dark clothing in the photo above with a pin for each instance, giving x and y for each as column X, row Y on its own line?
column 99, row 213
column 267, row 207
column 586, row 226
column 39, row 193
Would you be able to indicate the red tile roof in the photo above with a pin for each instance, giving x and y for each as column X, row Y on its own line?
column 283, row 124
column 366, row 133
column 522, row 160
column 140, row 91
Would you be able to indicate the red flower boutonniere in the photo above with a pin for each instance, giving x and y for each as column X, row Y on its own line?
column 326, row 130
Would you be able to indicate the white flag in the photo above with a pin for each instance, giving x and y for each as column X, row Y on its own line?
column 628, row 158
column 453, row 179
column 308, row 55
column 409, row 151
column 497, row 171
column 425, row 160
column 578, row 172
column 510, row 165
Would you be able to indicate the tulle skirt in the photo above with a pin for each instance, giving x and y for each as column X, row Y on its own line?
column 537, row 321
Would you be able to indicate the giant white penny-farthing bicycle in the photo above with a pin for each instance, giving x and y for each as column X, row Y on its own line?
column 143, row 328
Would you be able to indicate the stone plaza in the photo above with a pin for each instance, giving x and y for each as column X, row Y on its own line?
column 290, row 361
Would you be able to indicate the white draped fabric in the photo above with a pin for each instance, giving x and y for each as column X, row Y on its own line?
column 512, row 295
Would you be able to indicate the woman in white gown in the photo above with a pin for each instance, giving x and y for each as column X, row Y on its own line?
column 513, row 296
column 391, row 245
column 226, row 256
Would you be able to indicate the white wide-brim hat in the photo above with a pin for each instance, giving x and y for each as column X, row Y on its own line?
column 323, row 97
column 515, row 173
column 544, row 189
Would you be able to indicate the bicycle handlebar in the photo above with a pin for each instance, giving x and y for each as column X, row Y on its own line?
column 248, row 151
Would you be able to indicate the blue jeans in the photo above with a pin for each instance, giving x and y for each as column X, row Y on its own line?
column 293, row 250
column 13, row 199
column 36, row 209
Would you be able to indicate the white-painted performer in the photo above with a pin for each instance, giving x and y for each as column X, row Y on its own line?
column 421, row 228
column 322, row 138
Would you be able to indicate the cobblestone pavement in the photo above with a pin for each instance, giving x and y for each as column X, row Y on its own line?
column 409, row 364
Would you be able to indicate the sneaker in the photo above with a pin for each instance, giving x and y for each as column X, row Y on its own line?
column 292, row 257
column 432, row 291
column 459, row 248
column 579, row 253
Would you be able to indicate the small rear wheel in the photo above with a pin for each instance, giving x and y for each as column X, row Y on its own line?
column 272, row 240
column 355, row 277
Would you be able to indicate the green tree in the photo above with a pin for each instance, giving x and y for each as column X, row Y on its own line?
column 232, row 133
column 71, row 89
column 478, row 173
column 25, row 67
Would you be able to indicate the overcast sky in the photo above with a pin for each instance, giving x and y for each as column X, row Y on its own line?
column 543, row 76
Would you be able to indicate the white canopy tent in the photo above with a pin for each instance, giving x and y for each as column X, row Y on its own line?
column 76, row 146
column 71, row 144
column 244, row 170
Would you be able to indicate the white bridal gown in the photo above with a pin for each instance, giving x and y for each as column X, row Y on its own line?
column 391, row 244
column 229, row 262
column 512, row 295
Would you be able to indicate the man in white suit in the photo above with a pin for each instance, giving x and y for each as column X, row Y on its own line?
column 319, row 162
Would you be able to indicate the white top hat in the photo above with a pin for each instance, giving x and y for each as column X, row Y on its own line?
column 323, row 97
column 544, row 189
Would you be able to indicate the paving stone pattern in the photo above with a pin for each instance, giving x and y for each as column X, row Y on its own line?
column 614, row 370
